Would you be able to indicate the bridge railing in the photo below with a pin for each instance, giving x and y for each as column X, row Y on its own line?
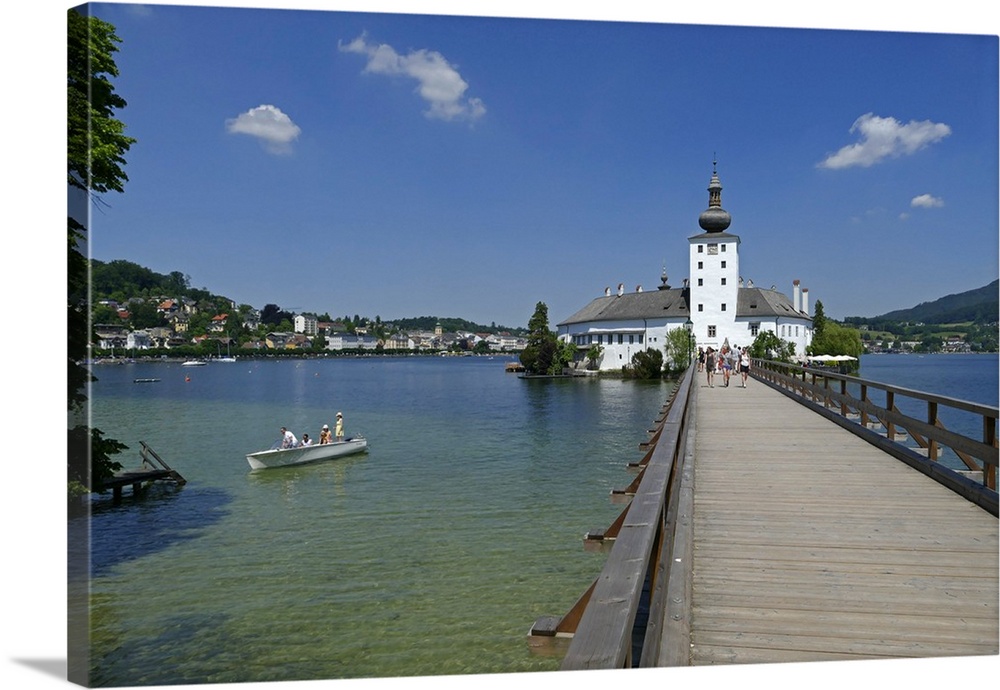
column 617, row 622
column 908, row 424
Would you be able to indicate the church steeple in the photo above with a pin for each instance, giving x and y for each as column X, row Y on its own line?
column 714, row 218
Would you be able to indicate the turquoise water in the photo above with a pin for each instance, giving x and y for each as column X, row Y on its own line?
column 430, row 555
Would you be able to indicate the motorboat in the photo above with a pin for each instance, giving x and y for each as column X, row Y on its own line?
column 283, row 457
column 194, row 363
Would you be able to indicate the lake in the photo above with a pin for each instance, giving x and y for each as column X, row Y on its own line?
column 432, row 554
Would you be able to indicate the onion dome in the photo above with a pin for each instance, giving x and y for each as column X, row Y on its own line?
column 714, row 218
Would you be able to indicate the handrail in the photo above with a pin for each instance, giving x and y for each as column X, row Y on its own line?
column 603, row 638
column 812, row 387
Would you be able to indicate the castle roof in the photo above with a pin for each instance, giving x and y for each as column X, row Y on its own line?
column 658, row 304
column 673, row 304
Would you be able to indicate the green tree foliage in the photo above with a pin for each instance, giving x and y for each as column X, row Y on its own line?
column 273, row 315
column 96, row 147
column 836, row 339
column 819, row 320
column 646, row 364
column 540, row 354
column 767, row 345
column 678, row 349
column 594, row 354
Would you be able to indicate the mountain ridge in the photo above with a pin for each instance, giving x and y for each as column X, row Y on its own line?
column 980, row 305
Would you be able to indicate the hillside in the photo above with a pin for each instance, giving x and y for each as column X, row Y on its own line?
column 981, row 305
column 122, row 280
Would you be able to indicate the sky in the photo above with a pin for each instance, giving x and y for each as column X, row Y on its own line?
column 474, row 167
column 396, row 165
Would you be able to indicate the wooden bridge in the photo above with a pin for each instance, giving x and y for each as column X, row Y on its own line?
column 795, row 520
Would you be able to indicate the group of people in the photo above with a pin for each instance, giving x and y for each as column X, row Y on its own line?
column 726, row 361
column 288, row 439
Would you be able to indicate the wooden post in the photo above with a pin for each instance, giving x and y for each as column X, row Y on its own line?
column 864, row 399
column 932, row 412
column 843, row 393
column 990, row 439
column 890, row 404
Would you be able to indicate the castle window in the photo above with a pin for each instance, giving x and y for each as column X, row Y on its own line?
column 700, row 282
column 619, row 338
column 701, row 265
column 723, row 306
column 723, row 281
column 754, row 327
column 723, row 247
column 701, row 307
column 711, row 331
column 701, row 249
column 723, row 264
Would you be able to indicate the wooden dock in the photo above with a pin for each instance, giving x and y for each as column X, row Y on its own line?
column 153, row 469
column 812, row 544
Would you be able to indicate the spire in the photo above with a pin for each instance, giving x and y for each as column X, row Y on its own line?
column 715, row 218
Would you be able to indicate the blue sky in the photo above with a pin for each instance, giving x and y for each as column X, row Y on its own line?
column 393, row 165
column 586, row 167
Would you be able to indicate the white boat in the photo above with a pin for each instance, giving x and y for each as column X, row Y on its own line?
column 283, row 457
column 194, row 363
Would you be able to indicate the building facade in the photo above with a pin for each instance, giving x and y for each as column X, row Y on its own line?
column 715, row 304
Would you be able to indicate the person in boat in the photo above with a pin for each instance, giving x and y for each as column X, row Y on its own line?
column 288, row 439
column 324, row 435
column 306, row 441
column 340, row 427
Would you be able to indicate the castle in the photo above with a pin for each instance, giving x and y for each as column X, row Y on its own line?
column 714, row 304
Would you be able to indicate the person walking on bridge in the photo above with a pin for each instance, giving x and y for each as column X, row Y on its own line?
column 744, row 366
column 710, row 367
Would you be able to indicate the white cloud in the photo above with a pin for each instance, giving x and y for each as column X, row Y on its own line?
column 885, row 137
column 926, row 201
column 268, row 124
column 438, row 82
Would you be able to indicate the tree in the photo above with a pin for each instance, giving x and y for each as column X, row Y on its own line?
column 540, row 352
column 96, row 147
column 646, row 364
column 594, row 354
column 819, row 320
column 836, row 340
column 767, row 345
column 678, row 348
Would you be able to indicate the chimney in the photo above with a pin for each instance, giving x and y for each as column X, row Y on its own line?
column 607, row 292
column 638, row 288
column 805, row 301
column 796, row 296
column 621, row 289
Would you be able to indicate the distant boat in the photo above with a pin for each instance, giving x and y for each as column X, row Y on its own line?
column 194, row 363
column 229, row 359
column 284, row 457
column 145, row 380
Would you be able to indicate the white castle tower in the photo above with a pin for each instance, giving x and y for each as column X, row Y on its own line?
column 715, row 273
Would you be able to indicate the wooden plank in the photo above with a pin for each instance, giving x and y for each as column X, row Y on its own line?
column 812, row 544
